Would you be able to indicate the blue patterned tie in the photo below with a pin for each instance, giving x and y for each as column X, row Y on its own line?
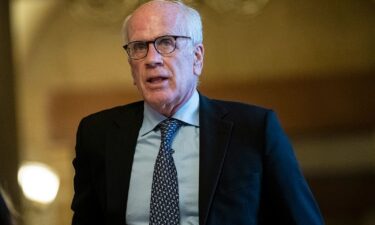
column 164, row 208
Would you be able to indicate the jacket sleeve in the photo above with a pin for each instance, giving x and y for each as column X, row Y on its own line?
column 85, row 204
column 286, row 196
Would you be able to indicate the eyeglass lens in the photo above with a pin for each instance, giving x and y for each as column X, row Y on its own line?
column 139, row 49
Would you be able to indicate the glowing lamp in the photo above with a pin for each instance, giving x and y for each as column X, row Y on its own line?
column 39, row 182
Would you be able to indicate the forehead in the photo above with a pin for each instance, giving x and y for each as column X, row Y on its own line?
column 155, row 19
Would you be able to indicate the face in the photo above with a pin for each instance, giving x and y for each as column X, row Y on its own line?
column 165, row 81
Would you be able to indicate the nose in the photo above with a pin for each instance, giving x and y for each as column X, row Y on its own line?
column 153, row 57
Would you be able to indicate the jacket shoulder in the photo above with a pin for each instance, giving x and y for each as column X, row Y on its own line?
column 240, row 105
column 105, row 116
column 241, row 110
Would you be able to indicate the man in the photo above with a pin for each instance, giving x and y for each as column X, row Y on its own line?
column 227, row 163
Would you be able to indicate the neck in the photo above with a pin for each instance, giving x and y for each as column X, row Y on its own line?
column 169, row 110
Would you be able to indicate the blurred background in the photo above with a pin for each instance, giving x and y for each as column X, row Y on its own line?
column 313, row 62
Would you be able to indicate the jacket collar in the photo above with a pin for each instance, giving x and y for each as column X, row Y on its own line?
column 215, row 132
column 120, row 147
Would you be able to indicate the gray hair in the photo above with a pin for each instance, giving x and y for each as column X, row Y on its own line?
column 192, row 18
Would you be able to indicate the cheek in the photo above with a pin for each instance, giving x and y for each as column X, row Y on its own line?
column 135, row 72
column 184, row 66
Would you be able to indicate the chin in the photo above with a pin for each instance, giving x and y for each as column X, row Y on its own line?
column 159, row 98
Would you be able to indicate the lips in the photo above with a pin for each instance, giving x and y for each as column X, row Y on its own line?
column 154, row 80
column 157, row 82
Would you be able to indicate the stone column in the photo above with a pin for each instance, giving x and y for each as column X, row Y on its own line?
column 9, row 154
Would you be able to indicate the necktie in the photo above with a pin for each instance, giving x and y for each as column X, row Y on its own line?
column 164, row 208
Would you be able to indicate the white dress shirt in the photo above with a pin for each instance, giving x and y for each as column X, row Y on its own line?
column 186, row 158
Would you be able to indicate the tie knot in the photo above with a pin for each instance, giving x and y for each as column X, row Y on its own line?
column 169, row 127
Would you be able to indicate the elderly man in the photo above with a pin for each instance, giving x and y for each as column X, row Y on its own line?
column 178, row 157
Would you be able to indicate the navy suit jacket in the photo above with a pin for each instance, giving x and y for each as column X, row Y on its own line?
column 248, row 172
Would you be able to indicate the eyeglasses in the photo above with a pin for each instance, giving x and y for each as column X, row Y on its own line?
column 164, row 45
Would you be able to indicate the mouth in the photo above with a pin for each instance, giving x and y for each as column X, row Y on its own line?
column 156, row 80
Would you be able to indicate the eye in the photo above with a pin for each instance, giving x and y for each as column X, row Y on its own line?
column 166, row 42
column 139, row 46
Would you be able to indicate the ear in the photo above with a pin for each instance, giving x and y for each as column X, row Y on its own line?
column 198, row 59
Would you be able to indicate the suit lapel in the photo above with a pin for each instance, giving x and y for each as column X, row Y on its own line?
column 214, row 138
column 121, row 143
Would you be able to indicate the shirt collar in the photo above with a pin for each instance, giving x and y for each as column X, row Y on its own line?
column 188, row 113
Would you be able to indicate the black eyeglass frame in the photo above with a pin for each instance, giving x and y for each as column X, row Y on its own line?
column 147, row 43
